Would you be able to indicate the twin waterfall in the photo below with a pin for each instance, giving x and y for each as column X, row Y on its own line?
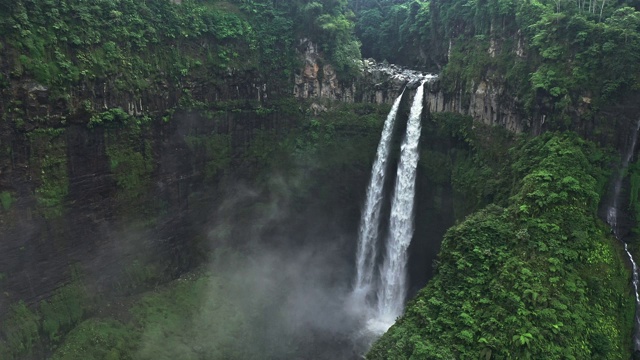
column 393, row 275
column 387, row 304
column 612, row 220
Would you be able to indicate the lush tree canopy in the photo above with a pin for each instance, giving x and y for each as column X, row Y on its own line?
column 558, row 58
column 66, row 43
column 538, row 278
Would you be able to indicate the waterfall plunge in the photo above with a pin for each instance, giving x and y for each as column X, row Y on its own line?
column 393, row 274
column 392, row 287
column 612, row 220
column 369, row 223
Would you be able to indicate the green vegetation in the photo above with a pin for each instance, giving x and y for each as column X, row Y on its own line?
column 116, row 117
column 168, row 323
column 518, row 281
column 21, row 332
column 49, row 165
column 125, row 65
column 131, row 162
column 207, row 314
column 474, row 161
column 566, row 60
column 25, row 330
column 63, row 310
column 193, row 318
column 137, row 47
column 6, row 200
column 61, row 322
column 216, row 151
column 395, row 31
column 529, row 274
column 65, row 43
column 97, row 339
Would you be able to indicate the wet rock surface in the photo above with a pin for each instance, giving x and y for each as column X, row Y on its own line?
column 381, row 83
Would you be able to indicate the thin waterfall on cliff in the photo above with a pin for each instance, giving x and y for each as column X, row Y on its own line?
column 612, row 220
column 366, row 252
column 393, row 274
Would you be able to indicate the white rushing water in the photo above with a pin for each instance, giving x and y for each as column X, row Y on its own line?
column 612, row 220
column 393, row 274
column 366, row 252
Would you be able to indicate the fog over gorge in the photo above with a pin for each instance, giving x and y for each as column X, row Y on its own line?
column 279, row 296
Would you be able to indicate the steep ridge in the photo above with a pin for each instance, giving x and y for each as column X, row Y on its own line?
column 518, row 280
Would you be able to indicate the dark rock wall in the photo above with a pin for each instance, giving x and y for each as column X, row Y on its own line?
column 100, row 198
column 488, row 102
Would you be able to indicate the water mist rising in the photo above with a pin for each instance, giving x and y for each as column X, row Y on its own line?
column 393, row 274
column 369, row 223
column 612, row 220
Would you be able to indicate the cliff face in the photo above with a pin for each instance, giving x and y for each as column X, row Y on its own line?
column 382, row 83
column 109, row 182
column 93, row 185
column 319, row 80
column 376, row 83
column 488, row 100
column 488, row 104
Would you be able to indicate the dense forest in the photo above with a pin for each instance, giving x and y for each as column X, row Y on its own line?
column 532, row 275
column 555, row 57
column 515, row 279
column 163, row 195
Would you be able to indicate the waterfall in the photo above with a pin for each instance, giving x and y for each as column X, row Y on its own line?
column 612, row 220
column 380, row 303
column 369, row 223
column 393, row 274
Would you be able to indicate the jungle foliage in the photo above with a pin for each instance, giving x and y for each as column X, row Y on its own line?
column 539, row 277
column 558, row 58
column 137, row 45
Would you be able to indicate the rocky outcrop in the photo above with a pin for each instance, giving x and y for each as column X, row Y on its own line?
column 377, row 83
column 487, row 104
column 318, row 80
column 381, row 83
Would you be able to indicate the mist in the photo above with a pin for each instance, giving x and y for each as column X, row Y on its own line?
column 276, row 285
